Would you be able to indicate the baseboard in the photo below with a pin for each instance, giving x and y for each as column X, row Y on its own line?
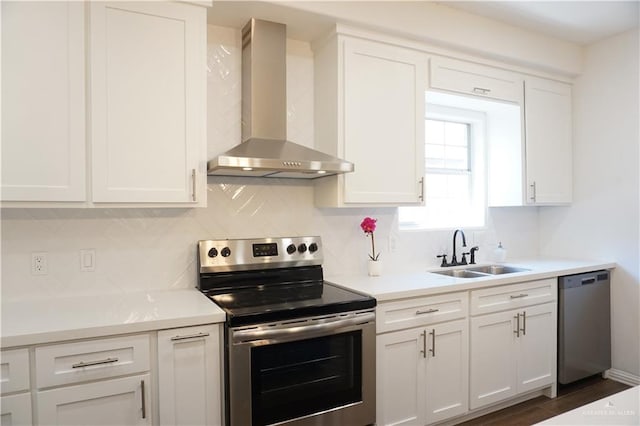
column 622, row 377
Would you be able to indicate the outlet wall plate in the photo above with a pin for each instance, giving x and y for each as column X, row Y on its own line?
column 39, row 263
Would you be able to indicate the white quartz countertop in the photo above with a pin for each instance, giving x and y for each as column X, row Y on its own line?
column 393, row 286
column 40, row 321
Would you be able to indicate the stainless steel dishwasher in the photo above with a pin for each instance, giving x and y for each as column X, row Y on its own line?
column 584, row 325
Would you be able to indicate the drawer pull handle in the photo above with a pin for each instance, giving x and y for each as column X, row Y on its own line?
column 428, row 311
column 519, row 296
column 90, row 363
column 481, row 90
column 424, row 344
column 144, row 401
column 433, row 342
column 191, row 336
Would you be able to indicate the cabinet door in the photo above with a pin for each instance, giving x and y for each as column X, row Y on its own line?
column 43, row 109
column 475, row 79
column 493, row 358
column 15, row 410
column 548, row 133
column 447, row 370
column 148, row 88
column 537, row 347
column 383, row 123
column 400, row 377
column 189, row 376
column 110, row 402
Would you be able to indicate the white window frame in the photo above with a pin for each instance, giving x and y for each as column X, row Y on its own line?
column 477, row 166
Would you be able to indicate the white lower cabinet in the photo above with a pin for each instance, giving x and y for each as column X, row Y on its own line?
column 122, row 402
column 189, row 376
column 104, row 381
column 512, row 352
column 422, row 372
column 447, row 370
column 15, row 402
column 16, row 410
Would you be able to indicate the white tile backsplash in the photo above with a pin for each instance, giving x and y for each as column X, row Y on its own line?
column 145, row 249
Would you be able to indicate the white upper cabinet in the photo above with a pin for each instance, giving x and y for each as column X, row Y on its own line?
column 475, row 79
column 548, row 132
column 43, row 101
column 145, row 110
column 148, row 87
column 370, row 110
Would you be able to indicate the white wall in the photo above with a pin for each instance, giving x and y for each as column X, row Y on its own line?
column 603, row 221
column 142, row 249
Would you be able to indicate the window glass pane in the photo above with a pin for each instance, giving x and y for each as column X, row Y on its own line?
column 456, row 158
column 456, row 133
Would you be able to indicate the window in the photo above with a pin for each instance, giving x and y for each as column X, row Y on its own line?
column 455, row 171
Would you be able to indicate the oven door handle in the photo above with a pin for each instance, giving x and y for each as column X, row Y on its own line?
column 241, row 336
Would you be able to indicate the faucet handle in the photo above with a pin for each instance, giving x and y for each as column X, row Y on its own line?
column 464, row 258
column 444, row 260
column 473, row 254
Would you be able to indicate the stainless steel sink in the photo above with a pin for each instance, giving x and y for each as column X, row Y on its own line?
column 496, row 269
column 461, row 273
column 480, row 271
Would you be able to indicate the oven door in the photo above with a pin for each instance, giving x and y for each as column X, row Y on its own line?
column 318, row 371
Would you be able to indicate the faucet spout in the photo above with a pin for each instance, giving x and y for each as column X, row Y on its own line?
column 454, row 260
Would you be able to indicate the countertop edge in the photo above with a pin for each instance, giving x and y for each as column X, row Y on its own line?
column 449, row 284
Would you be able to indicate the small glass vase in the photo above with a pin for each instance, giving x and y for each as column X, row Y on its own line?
column 374, row 268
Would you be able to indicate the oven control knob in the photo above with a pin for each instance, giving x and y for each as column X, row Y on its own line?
column 302, row 248
column 213, row 252
column 291, row 248
column 313, row 247
column 225, row 252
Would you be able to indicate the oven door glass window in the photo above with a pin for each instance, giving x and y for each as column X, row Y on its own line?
column 299, row 378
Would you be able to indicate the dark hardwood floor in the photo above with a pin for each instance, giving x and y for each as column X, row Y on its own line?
column 541, row 408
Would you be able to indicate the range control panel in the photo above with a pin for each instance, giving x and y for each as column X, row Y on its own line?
column 261, row 253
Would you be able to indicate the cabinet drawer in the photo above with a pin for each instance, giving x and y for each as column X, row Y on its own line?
column 475, row 79
column 91, row 360
column 420, row 311
column 14, row 370
column 16, row 409
column 513, row 296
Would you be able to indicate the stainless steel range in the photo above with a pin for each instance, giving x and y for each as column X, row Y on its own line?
column 298, row 350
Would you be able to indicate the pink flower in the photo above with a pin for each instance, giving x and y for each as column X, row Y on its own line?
column 368, row 225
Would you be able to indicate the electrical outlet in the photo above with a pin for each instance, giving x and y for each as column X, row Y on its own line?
column 39, row 263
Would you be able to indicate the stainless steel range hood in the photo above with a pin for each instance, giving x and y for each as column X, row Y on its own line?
column 265, row 150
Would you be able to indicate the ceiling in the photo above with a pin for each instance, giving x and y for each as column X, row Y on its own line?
column 578, row 21
column 582, row 22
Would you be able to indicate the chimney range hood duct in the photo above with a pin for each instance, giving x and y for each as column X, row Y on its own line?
column 265, row 150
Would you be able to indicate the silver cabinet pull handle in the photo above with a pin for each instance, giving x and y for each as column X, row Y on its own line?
column 144, row 403
column 524, row 323
column 421, row 195
column 424, row 344
column 191, row 336
column 90, row 363
column 533, row 192
column 428, row 311
column 194, row 180
column 517, row 330
column 481, row 90
column 433, row 342
column 519, row 296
